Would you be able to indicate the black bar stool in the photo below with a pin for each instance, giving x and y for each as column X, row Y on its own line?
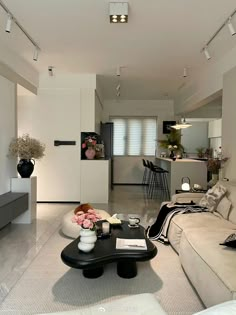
column 158, row 185
column 145, row 173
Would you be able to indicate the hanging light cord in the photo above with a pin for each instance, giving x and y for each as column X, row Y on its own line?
column 19, row 25
column 219, row 29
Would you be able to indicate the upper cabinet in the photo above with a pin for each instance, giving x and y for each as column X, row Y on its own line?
column 215, row 128
column 90, row 110
column 87, row 110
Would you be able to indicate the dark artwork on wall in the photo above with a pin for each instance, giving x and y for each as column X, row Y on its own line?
column 166, row 126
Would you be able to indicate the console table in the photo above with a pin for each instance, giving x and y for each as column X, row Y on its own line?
column 27, row 185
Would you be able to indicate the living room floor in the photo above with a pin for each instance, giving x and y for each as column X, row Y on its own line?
column 20, row 244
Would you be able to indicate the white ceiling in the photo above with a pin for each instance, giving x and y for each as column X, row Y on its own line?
column 161, row 38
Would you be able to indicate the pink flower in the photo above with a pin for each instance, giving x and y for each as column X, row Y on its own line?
column 87, row 224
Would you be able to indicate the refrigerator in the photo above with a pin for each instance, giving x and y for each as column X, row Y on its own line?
column 106, row 133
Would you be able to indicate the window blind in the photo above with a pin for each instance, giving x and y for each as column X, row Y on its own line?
column 134, row 136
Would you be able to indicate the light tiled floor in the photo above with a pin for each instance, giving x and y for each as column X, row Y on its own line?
column 20, row 243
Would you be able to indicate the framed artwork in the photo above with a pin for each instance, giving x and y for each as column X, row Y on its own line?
column 167, row 126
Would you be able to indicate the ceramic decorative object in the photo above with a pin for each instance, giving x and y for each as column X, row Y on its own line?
column 90, row 153
column 25, row 167
column 172, row 154
column 87, row 240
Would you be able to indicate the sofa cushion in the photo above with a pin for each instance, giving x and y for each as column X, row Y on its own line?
column 223, row 207
column 181, row 222
column 231, row 194
column 212, row 197
column 230, row 241
column 226, row 308
column 209, row 266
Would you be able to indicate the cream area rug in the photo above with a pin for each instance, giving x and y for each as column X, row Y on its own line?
column 48, row 285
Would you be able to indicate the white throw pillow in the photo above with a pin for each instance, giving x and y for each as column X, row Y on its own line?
column 224, row 207
column 212, row 197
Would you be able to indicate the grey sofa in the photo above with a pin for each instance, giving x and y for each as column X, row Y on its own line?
column 210, row 267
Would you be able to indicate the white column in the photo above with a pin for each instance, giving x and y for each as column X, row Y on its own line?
column 27, row 185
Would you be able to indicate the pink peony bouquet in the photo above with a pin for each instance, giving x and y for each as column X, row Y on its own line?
column 89, row 142
column 87, row 219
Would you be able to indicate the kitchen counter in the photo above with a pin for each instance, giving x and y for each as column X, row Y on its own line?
column 180, row 160
column 195, row 170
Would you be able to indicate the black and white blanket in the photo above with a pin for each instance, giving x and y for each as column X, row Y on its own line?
column 158, row 231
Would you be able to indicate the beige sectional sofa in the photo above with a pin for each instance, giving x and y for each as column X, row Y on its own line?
column 210, row 267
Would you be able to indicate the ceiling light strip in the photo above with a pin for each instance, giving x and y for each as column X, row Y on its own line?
column 227, row 21
column 19, row 25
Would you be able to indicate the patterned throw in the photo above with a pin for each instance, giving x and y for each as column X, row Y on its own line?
column 159, row 230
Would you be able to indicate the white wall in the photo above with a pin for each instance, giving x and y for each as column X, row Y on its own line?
column 98, row 112
column 8, row 131
column 228, row 123
column 55, row 114
column 130, row 169
column 195, row 137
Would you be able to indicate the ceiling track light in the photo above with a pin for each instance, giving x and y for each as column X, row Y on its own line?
column 8, row 29
column 118, row 71
column 231, row 28
column 118, row 12
column 9, row 23
column 185, row 73
column 50, row 70
column 36, row 53
column 206, row 52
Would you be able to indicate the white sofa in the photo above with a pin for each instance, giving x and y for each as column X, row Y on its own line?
column 210, row 267
column 143, row 304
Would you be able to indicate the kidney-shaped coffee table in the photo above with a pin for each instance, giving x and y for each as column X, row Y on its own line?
column 105, row 252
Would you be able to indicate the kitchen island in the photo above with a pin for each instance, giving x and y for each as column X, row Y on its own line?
column 195, row 170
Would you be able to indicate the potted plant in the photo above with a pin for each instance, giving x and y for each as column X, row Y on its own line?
column 27, row 150
column 172, row 142
column 214, row 165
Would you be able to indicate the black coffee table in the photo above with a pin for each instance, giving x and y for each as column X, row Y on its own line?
column 105, row 252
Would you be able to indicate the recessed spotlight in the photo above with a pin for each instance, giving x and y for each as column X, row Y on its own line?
column 118, row 12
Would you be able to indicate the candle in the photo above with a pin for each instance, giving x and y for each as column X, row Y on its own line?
column 105, row 227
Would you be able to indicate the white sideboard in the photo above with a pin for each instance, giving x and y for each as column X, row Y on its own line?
column 27, row 185
column 94, row 183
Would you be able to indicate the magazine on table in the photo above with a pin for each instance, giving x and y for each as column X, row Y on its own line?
column 137, row 244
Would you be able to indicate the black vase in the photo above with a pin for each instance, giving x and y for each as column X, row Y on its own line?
column 172, row 154
column 25, row 168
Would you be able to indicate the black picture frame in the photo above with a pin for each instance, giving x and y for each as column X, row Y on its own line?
column 167, row 126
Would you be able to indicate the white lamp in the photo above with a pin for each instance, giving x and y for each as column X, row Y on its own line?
column 185, row 184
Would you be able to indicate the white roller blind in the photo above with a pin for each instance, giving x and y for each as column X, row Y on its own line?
column 134, row 135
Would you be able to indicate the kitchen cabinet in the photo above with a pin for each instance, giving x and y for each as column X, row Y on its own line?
column 215, row 128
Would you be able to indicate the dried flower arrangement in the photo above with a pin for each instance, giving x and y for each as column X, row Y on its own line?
column 26, row 148
column 215, row 164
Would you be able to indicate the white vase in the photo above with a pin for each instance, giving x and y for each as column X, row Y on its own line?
column 87, row 240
